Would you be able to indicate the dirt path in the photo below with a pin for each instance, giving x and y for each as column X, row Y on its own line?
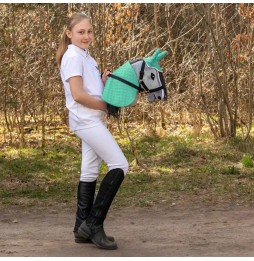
column 170, row 231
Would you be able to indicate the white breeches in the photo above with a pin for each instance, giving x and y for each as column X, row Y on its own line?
column 98, row 144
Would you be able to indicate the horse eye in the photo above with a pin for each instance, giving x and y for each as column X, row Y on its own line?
column 153, row 76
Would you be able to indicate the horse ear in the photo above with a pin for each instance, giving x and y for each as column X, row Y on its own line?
column 155, row 58
column 155, row 55
column 161, row 55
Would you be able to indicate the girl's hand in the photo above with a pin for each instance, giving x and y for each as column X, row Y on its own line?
column 105, row 76
column 104, row 107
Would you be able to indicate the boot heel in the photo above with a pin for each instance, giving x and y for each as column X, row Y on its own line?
column 84, row 231
column 80, row 240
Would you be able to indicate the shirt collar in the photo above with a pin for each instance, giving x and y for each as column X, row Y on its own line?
column 79, row 50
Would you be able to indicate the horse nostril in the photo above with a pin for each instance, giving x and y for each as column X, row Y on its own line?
column 159, row 97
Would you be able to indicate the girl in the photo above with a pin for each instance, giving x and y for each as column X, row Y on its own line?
column 83, row 87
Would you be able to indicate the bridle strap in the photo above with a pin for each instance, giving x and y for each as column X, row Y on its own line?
column 124, row 81
column 142, row 71
column 142, row 85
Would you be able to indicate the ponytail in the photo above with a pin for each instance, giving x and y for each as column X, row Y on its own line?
column 65, row 40
column 63, row 45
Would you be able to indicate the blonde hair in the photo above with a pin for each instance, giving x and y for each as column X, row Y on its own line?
column 65, row 40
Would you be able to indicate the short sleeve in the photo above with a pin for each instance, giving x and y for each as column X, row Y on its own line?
column 72, row 66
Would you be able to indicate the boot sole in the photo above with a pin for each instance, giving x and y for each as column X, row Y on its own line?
column 80, row 240
column 103, row 247
column 83, row 241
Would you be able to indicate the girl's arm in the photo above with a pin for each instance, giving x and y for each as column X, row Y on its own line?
column 82, row 97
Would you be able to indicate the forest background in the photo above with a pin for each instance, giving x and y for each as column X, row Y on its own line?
column 208, row 73
column 209, row 69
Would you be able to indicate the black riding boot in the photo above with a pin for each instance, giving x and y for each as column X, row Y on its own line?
column 85, row 198
column 93, row 226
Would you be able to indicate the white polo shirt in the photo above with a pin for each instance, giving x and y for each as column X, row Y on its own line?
column 76, row 62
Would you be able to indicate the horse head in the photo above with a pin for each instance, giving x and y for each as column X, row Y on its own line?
column 151, row 77
column 141, row 75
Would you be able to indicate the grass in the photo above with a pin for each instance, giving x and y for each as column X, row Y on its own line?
column 172, row 168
